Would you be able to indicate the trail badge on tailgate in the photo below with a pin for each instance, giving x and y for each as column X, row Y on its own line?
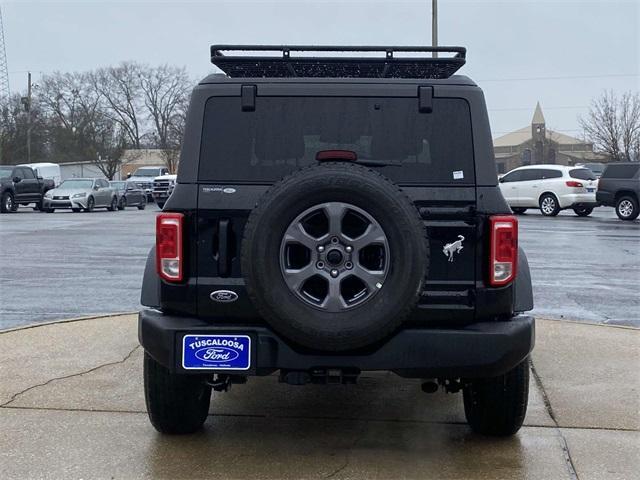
column 216, row 352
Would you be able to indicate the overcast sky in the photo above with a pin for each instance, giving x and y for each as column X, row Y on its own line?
column 562, row 53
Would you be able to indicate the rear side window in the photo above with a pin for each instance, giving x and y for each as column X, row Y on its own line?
column 582, row 174
column 530, row 175
column 620, row 171
column 548, row 173
column 285, row 133
column 539, row 174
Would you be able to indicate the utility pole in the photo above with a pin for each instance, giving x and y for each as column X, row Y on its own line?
column 28, row 109
column 434, row 26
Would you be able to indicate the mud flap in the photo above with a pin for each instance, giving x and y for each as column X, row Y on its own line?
column 523, row 292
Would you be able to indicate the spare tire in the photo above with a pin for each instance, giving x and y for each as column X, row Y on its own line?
column 334, row 256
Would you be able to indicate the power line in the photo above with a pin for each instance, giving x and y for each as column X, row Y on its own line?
column 569, row 77
column 509, row 109
column 494, row 132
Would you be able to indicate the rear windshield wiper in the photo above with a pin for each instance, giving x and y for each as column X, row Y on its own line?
column 351, row 156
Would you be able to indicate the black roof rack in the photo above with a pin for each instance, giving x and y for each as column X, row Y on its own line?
column 285, row 65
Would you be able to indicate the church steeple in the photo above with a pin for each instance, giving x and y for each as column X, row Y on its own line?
column 538, row 126
column 538, row 117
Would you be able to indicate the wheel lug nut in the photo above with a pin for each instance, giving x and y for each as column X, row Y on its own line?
column 334, row 240
column 321, row 248
column 348, row 265
column 334, row 273
column 320, row 265
column 348, row 249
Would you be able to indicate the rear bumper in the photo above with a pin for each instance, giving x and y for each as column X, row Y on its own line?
column 578, row 200
column 605, row 198
column 480, row 350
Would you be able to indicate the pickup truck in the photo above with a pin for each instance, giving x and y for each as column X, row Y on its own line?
column 162, row 188
column 143, row 177
column 20, row 185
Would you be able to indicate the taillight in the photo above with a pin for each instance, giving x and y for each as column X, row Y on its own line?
column 503, row 262
column 574, row 184
column 169, row 259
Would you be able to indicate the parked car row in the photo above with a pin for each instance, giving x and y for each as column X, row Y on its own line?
column 552, row 188
column 86, row 194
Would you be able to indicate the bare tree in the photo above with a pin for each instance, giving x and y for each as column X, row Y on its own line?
column 166, row 93
column 110, row 142
column 120, row 88
column 613, row 125
column 72, row 108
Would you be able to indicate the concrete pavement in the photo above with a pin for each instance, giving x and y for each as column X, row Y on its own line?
column 71, row 406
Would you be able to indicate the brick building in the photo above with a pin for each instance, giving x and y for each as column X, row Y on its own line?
column 535, row 144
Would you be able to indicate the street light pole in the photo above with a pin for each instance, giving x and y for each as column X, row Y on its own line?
column 28, row 107
column 434, row 26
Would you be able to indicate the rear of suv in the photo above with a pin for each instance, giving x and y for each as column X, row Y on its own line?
column 551, row 188
column 619, row 187
column 334, row 215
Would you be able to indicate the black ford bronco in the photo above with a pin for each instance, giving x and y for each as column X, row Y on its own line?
column 335, row 214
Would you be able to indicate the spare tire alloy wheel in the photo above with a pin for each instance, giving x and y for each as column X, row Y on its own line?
column 337, row 267
column 334, row 257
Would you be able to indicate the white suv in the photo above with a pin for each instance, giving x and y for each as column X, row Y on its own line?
column 550, row 188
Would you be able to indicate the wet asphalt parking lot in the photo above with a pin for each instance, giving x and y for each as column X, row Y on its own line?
column 65, row 265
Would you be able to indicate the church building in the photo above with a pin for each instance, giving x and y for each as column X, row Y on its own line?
column 535, row 144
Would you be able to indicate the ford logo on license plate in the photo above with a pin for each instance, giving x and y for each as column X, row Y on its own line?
column 216, row 352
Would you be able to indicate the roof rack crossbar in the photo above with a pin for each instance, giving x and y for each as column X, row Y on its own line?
column 285, row 65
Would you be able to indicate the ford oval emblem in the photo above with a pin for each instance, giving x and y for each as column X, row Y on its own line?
column 216, row 354
column 224, row 296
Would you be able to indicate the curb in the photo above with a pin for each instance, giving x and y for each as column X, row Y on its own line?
column 585, row 322
column 67, row 320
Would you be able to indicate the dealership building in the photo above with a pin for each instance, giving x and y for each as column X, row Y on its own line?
column 535, row 144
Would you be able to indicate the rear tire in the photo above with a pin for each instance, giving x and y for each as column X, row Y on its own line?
column 122, row 204
column 518, row 210
column 549, row 205
column 177, row 404
column 627, row 208
column 497, row 406
column 143, row 203
column 583, row 211
column 114, row 205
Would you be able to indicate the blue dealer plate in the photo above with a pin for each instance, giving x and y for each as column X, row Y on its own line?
column 216, row 352
column 590, row 190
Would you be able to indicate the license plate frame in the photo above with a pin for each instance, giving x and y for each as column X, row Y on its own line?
column 220, row 352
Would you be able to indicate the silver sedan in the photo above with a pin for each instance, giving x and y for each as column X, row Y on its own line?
column 81, row 194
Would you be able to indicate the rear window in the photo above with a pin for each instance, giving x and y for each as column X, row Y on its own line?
column 620, row 171
column 582, row 174
column 285, row 133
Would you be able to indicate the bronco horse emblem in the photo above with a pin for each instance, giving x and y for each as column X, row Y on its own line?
column 456, row 247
